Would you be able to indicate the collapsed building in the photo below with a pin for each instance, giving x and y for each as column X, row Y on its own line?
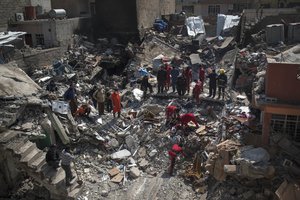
column 246, row 146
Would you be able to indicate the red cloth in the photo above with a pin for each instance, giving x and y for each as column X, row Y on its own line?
column 116, row 101
column 186, row 118
column 170, row 111
column 202, row 74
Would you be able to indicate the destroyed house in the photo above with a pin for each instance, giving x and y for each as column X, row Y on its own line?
column 129, row 17
column 280, row 105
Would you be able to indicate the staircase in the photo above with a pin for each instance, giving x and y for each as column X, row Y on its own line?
column 31, row 160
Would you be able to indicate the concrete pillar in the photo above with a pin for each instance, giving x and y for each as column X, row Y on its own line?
column 266, row 128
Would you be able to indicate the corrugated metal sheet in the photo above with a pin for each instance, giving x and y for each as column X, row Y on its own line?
column 8, row 37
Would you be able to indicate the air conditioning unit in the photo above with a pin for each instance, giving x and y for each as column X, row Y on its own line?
column 19, row 17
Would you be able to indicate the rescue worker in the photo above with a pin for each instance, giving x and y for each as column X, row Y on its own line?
column 116, row 102
column 99, row 95
column 173, row 153
column 197, row 90
column 161, row 79
column 186, row 118
column 168, row 79
column 52, row 157
column 202, row 74
column 222, row 83
column 187, row 73
column 212, row 83
column 172, row 113
column 70, row 96
column 66, row 159
column 83, row 110
column 181, row 85
column 145, row 85
column 174, row 75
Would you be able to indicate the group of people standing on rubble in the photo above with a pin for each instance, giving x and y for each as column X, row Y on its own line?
column 99, row 98
column 180, row 81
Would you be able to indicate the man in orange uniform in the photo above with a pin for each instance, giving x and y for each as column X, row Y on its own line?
column 116, row 102
column 83, row 110
column 197, row 91
column 176, row 149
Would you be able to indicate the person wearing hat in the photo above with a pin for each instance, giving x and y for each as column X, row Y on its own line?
column 116, row 102
column 222, row 83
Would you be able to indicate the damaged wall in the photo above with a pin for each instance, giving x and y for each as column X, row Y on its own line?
column 281, row 86
column 55, row 32
column 8, row 8
column 115, row 16
column 74, row 8
column 129, row 16
column 167, row 7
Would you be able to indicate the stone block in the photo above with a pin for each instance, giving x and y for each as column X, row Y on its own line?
column 135, row 172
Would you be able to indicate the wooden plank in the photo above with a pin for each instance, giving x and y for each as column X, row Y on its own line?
column 118, row 178
column 114, row 171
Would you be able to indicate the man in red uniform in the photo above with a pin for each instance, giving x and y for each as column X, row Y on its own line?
column 172, row 112
column 187, row 73
column 202, row 74
column 186, row 118
column 168, row 80
column 176, row 149
column 197, row 90
column 116, row 102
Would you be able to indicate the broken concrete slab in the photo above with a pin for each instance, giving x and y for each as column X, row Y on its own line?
column 121, row 154
column 135, row 172
column 15, row 82
column 58, row 127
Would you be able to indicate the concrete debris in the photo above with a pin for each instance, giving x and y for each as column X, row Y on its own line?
column 126, row 154
column 135, row 172
column 121, row 154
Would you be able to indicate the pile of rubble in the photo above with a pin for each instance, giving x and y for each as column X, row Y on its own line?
column 127, row 157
